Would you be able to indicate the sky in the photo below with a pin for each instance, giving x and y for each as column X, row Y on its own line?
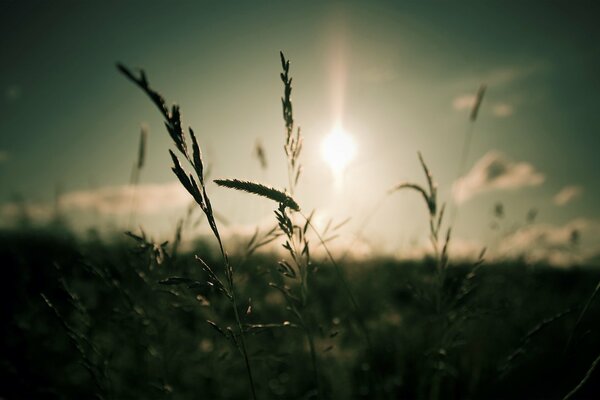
column 399, row 77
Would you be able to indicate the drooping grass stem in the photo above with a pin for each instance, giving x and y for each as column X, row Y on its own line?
column 195, row 186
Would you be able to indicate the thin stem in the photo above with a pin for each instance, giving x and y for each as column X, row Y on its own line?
column 290, row 177
column 302, row 262
column 233, row 300
column 313, row 353
column 466, row 147
column 344, row 284
column 229, row 272
column 461, row 166
column 135, row 177
column 302, row 269
column 584, row 380
column 243, row 342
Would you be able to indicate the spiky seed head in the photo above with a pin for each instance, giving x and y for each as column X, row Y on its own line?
column 260, row 190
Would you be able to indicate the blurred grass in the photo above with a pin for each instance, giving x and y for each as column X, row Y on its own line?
column 147, row 340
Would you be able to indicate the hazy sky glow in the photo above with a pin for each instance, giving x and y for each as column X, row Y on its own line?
column 400, row 77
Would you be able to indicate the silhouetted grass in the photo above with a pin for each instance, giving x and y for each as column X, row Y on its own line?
column 151, row 340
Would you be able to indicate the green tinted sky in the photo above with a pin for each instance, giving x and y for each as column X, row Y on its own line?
column 69, row 119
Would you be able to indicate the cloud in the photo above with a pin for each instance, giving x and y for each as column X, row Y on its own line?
column 459, row 250
column 502, row 110
column 464, row 102
column 107, row 201
column 493, row 78
column 341, row 243
column 23, row 210
column 572, row 243
column 114, row 200
column 507, row 75
column 495, row 172
column 567, row 195
column 3, row 156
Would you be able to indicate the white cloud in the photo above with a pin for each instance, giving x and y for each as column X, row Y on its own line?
column 502, row 110
column 495, row 172
column 11, row 212
column 567, row 194
column 459, row 250
column 464, row 102
column 496, row 77
column 506, row 75
column 108, row 201
column 340, row 242
column 113, row 200
column 575, row 242
column 510, row 74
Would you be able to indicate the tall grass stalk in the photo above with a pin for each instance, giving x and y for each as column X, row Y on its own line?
column 295, row 235
column 295, row 239
column 464, row 155
column 195, row 185
column 447, row 303
column 299, row 268
column 136, row 171
column 436, row 215
column 293, row 137
column 293, row 148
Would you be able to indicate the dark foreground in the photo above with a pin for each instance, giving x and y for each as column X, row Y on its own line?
column 85, row 319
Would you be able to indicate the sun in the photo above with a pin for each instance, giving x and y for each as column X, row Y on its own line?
column 338, row 150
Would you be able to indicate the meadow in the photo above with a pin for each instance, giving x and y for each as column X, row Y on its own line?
column 123, row 317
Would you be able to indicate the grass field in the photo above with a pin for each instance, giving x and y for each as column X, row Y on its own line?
column 107, row 327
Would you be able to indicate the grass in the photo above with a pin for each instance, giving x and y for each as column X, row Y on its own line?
column 152, row 341
column 194, row 184
column 136, row 171
column 132, row 318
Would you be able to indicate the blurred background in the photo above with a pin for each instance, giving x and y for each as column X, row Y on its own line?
column 396, row 77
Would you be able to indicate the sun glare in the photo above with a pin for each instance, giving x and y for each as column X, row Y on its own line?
column 338, row 150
